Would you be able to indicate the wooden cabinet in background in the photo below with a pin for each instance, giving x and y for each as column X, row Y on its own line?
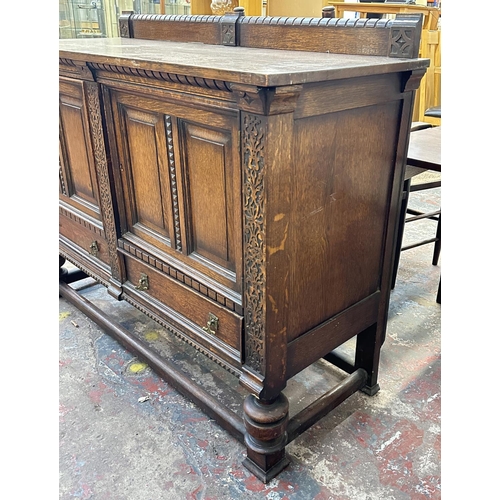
column 243, row 191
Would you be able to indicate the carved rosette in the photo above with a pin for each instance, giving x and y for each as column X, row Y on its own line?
column 405, row 35
column 254, row 238
column 101, row 163
column 228, row 34
column 124, row 31
column 123, row 24
column 401, row 43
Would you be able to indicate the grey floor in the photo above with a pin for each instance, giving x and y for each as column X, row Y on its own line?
column 124, row 434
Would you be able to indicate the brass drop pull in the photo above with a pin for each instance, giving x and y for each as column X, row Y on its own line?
column 212, row 324
column 143, row 282
column 94, row 248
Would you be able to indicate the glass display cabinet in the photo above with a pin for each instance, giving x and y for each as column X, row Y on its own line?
column 99, row 18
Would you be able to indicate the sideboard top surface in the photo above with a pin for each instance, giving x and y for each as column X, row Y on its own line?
column 253, row 66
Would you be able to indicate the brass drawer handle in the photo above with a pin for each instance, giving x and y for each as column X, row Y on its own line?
column 143, row 282
column 94, row 248
column 212, row 324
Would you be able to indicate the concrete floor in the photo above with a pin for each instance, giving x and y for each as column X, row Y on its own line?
column 126, row 435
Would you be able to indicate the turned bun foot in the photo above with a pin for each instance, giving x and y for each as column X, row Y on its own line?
column 266, row 436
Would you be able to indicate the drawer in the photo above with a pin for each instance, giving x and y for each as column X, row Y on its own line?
column 85, row 234
column 206, row 318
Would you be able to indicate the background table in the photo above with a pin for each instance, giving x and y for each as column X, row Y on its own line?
column 424, row 150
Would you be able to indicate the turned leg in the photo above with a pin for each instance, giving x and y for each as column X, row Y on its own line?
column 368, row 344
column 437, row 244
column 266, row 436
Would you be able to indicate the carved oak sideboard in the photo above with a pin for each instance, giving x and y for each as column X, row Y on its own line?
column 238, row 179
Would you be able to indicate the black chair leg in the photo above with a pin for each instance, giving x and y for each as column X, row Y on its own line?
column 400, row 229
column 437, row 245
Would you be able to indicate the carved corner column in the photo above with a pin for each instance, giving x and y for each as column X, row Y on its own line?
column 266, row 149
column 92, row 95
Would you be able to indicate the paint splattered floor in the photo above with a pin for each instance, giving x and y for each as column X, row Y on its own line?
column 126, row 435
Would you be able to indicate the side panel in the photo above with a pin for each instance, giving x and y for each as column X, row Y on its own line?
column 145, row 175
column 208, row 195
column 343, row 174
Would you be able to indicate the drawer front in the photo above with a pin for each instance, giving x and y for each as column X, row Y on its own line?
column 204, row 317
column 86, row 235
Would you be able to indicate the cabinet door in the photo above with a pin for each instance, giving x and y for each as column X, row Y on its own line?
column 180, row 183
column 78, row 182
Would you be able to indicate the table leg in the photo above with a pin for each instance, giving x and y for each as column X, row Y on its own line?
column 437, row 245
column 368, row 345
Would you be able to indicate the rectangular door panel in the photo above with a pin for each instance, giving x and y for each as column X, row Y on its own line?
column 146, row 176
column 78, row 159
column 207, row 194
column 77, row 171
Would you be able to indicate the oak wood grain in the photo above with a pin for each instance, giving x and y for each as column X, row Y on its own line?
column 263, row 67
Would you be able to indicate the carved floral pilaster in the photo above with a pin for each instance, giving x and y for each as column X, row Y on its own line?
column 254, row 239
column 101, row 164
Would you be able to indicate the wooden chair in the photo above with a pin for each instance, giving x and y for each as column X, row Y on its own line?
column 418, row 179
